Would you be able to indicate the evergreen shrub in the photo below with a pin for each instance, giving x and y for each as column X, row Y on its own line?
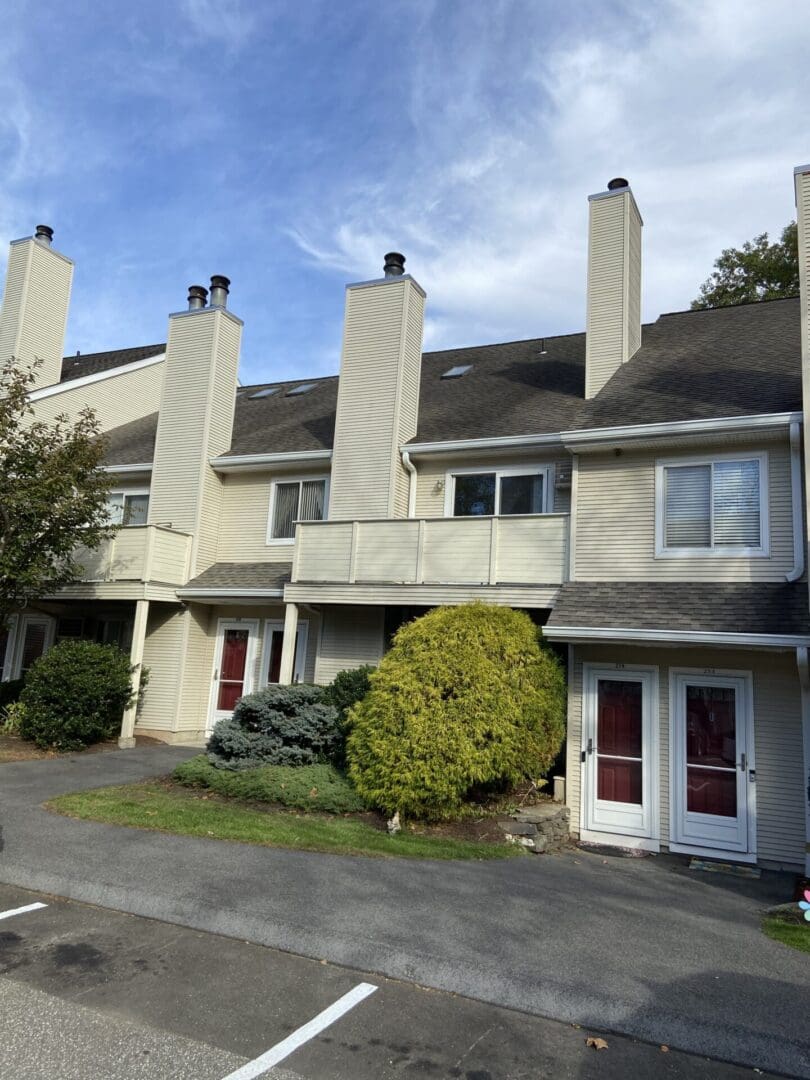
column 466, row 698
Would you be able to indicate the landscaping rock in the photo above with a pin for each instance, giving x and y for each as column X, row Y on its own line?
column 539, row 828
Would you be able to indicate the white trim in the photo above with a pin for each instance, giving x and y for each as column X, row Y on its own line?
column 234, row 593
column 97, row 376
column 796, row 503
column 300, row 661
column 572, row 523
column 529, row 469
column 712, row 425
column 274, row 541
column 762, row 550
column 7, row 665
column 252, row 627
column 146, row 467
column 696, row 637
column 713, row 853
column 411, row 470
column 503, row 442
column 254, row 462
column 30, row 620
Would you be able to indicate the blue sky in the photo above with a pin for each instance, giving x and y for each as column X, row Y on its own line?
column 289, row 145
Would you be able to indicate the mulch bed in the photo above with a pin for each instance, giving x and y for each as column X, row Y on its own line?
column 13, row 748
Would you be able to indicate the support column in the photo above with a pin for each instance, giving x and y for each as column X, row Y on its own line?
column 126, row 740
column 288, row 648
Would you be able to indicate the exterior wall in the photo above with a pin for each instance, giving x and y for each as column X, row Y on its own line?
column 431, row 476
column 802, row 181
column 350, row 637
column 116, row 400
column 163, row 654
column 777, row 736
column 377, row 398
column 615, row 522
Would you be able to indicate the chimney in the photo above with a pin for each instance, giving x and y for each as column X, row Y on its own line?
column 613, row 323
column 219, row 291
column 378, row 394
column 34, row 312
column 801, row 180
column 197, row 297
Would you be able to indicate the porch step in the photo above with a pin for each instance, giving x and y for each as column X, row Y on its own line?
column 736, row 869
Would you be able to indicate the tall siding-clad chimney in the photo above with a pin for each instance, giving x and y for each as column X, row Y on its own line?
column 378, row 395
column 801, row 179
column 613, row 324
column 35, row 305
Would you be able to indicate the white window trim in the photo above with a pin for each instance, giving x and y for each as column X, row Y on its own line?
column 130, row 491
column 274, row 541
column 300, row 659
column 7, row 661
column 513, row 470
column 762, row 551
column 25, row 621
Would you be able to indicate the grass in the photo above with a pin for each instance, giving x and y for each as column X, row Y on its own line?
column 790, row 932
column 155, row 805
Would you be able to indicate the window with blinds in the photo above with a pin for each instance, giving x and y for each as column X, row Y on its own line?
column 713, row 506
column 296, row 500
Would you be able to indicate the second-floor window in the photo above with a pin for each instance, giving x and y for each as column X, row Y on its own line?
column 712, row 506
column 128, row 507
column 295, row 500
column 500, row 492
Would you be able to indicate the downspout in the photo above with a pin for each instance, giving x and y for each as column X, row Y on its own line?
column 804, row 683
column 796, row 499
column 411, row 469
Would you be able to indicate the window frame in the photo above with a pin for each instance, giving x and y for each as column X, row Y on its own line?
column 511, row 470
column 124, row 492
column 761, row 551
column 273, row 541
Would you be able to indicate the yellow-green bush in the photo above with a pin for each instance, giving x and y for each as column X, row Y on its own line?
column 467, row 696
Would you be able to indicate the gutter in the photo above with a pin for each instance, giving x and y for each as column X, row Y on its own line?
column 689, row 637
column 246, row 462
column 796, row 502
column 411, row 468
column 233, row 593
column 713, row 425
column 122, row 470
column 505, row 442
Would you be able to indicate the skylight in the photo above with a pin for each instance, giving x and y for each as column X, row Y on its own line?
column 457, row 372
column 268, row 390
column 304, row 388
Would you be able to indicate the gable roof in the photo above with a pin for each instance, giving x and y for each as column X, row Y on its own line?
column 76, row 367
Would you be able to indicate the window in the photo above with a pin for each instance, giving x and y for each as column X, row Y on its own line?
column 502, row 492
column 128, row 507
column 295, row 500
column 715, row 506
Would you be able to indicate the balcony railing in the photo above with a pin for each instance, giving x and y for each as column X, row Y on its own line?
column 139, row 553
column 530, row 550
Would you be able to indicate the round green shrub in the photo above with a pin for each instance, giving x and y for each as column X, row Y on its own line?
column 280, row 725
column 467, row 697
column 75, row 695
column 347, row 688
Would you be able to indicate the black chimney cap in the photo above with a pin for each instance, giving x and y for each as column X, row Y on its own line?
column 617, row 182
column 43, row 232
column 394, row 264
column 197, row 296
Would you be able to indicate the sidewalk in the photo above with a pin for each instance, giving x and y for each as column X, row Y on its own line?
column 638, row 946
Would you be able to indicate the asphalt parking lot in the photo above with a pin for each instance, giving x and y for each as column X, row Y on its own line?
column 85, row 991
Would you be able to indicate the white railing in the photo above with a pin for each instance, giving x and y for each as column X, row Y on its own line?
column 139, row 553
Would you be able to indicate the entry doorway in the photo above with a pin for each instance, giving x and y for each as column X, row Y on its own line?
column 234, row 663
column 272, row 648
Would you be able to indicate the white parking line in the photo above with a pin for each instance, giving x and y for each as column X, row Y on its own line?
column 20, row 910
column 303, row 1034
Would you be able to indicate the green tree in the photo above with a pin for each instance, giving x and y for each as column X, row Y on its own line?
column 756, row 271
column 52, row 493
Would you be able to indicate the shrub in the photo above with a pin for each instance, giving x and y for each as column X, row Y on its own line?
column 11, row 717
column 348, row 688
column 75, row 695
column 466, row 697
column 301, row 787
column 280, row 725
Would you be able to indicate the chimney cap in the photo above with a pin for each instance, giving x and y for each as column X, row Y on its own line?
column 44, row 233
column 219, row 290
column 617, row 182
column 197, row 297
column 394, row 264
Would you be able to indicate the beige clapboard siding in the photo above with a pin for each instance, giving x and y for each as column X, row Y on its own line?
column 433, row 475
column 326, row 553
column 378, row 373
column 615, row 529
column 350, row 637
column 115, row 400
column 457, row 550
column 197, row 669
column 244, row 515
column 138, row 553
column 163, row 656
column 777, row 736
column 35, row 307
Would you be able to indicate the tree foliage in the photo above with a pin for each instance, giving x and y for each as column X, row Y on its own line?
column 758, row 270
column 52, row 493
column 466, row 697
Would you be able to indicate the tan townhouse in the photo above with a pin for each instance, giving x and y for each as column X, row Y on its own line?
column 637, row 489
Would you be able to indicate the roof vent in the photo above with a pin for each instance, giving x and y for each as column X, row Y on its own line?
column 44, row 233
column 304, row 388
column 267, row 392
column 616, row 183
column 394, row 265
column 457, row 371
column 197, row 297
column 220, row 286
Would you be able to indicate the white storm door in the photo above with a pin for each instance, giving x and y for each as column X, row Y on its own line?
column 712, row 762
column 619, row 751
column 34, row 638
column 234, row 661
column 271, row 651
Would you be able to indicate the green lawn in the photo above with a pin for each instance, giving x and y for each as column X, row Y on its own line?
column 794, row 934
column 153, row 805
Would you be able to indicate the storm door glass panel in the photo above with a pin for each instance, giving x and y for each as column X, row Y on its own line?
column 33, row 645
column 312, row 499
column 232, row 671
column 711, row 750
column 285, row 511
column 276, row 644
column 688, row 506
column 474, row 495
column 618, row 741
column 522, row 494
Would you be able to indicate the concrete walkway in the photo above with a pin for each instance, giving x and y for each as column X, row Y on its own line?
column 639, row 946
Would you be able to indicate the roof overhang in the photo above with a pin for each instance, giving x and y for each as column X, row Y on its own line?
column 255, row 462
column 595, row 634
column 124, row 470
column 223, row 596
column 638, row 434
column 506, row 442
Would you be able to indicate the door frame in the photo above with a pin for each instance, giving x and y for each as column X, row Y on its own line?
column 647, row 838
column 743, row 680
column 7, row 659
column 300, row 659
column 252, row 626
column 24, row 622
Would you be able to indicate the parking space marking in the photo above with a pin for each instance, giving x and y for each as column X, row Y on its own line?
column 303, row 1034
column 20, row 910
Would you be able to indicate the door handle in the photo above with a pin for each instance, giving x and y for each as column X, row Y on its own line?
column 743, row 763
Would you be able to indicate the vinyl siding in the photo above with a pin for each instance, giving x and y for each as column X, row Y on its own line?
column 350, row 637
column 615, row 528
column 777, row 736
column 432, row 473
column 115, row 400
column 162, row 655
column 803, row 219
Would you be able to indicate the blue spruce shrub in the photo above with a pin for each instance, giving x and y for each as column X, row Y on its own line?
column 280, row 725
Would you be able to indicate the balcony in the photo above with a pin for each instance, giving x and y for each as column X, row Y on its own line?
column 136, row 557
column 521, row 551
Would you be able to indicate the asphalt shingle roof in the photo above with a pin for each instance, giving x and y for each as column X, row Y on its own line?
column 713, row 607
column 75, row 367
column 226, row 575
